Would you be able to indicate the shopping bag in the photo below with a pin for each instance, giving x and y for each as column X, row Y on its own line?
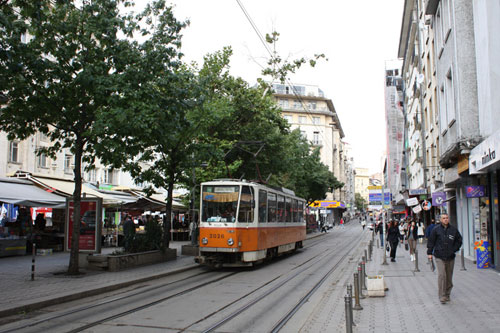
column 407, row 247
column 388, row 248
column 433, row 268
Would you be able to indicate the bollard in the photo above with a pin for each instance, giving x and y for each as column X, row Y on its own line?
column 370, row 250
column 385, row 258
column 360, row 284
column 363, row 273
column 357, row 306
column 349, row 292
column 33, row 262
column 366, row 255
column 416, row 260
column 348, row 315
column 462, row 259
column 378, row 244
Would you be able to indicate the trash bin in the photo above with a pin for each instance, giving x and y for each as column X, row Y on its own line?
column 375, row 285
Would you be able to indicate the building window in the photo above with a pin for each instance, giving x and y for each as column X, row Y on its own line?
column 297, row 104
column 316, row 120
column 67, row 163
column 42, row 161
column 442, row 110
column 450, row 98
column 311, row 105
column 303, row 134
column 92, row 176
column 302, row 119
column 14, row 151
column 283, row 103
column 108, row 176
column 288, row 118
column 316, row 140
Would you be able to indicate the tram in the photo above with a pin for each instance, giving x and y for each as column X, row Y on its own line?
column 244, row 223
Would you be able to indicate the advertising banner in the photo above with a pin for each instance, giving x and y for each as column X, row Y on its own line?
column 475, row 191
column 417, row 209
column 483, row 254
column 90, row 224
column 438, row 198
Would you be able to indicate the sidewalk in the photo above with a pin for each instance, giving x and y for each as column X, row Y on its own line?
column 411, row 304
column 52, row 286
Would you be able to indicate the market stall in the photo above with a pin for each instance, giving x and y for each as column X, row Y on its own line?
column 18, row 197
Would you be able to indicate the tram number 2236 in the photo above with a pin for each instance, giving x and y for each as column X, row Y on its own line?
column 216, row 236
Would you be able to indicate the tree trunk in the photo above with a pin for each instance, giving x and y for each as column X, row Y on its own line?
column 168, row 220
column 73, row 267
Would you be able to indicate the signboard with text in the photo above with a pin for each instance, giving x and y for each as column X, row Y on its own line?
column 475, row 191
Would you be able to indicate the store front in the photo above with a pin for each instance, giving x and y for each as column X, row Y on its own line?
column 484, row 162
column 20, row 201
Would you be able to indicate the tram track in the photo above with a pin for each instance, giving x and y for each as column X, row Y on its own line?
column 302, row 267
column 282, row 322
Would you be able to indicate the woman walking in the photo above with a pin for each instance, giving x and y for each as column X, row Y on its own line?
column 412, row 237
column 393, row 237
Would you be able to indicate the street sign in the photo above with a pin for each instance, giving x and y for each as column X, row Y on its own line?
column 426, row 205
column 417, row 209
column 438, row 198
column 412, row 202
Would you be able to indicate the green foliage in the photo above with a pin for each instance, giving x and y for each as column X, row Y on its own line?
column 360, row 202
column 151, row 240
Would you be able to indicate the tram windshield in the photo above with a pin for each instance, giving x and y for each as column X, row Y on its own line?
column 219, row 203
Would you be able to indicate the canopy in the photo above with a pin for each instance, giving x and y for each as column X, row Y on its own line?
column 23, row 192
column 67, row 187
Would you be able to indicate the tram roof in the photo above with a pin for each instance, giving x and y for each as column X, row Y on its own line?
column 243, row 181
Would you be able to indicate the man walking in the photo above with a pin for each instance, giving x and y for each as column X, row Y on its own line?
column 443, row 242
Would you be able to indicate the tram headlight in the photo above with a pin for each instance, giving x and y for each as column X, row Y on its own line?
column 230, row 242
column 204, row 241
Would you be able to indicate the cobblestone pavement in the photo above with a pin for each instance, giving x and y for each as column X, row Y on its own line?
column 410, row 305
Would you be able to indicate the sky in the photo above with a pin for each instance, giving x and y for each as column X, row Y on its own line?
column 357, row 37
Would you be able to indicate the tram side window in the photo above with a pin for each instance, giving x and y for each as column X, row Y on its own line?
column 288, row 211
column 262, row 206
column 271, row 207
column 247, row 205
column 281, row 208
column 301, row 211
column 295, row 208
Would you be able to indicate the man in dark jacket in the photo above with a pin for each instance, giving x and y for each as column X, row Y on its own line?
column 443, row 242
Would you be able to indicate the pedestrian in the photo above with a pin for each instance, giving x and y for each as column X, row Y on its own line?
column 342, row 222
column 443, row 242
column 411, row 236
column 128, row 232
column 393, row 237
column 380, row 230
column 420, row 232
column 428, row 230
column 363, row 224
column 323, row 227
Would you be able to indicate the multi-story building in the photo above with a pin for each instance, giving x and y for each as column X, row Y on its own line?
column 306, row 107
column 394, row 117
column 362, row 181
column 484, row 159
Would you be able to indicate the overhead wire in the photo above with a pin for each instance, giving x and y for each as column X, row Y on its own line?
column 295, row 93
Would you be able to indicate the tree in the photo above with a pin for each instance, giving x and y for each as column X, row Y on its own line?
column 359, row 201
column 71, row 72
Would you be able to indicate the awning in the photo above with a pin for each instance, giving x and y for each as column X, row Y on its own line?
column 23, row 192
column 67, row 187
column 155, row 202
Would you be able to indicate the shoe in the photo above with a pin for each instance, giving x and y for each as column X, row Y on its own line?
column 447, row 298
column 443, row 300
column 393, row 260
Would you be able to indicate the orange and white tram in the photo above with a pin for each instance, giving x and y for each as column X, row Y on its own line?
column 243, row 223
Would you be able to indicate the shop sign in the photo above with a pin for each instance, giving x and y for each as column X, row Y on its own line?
column 417, row 209
column 484, row 154
column 438, row 198
column 463, row 163
column 417, row 191
column 412, row 202
column 475, row 191
column 426, row 205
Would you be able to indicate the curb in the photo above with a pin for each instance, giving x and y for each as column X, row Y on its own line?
column 87, row 293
